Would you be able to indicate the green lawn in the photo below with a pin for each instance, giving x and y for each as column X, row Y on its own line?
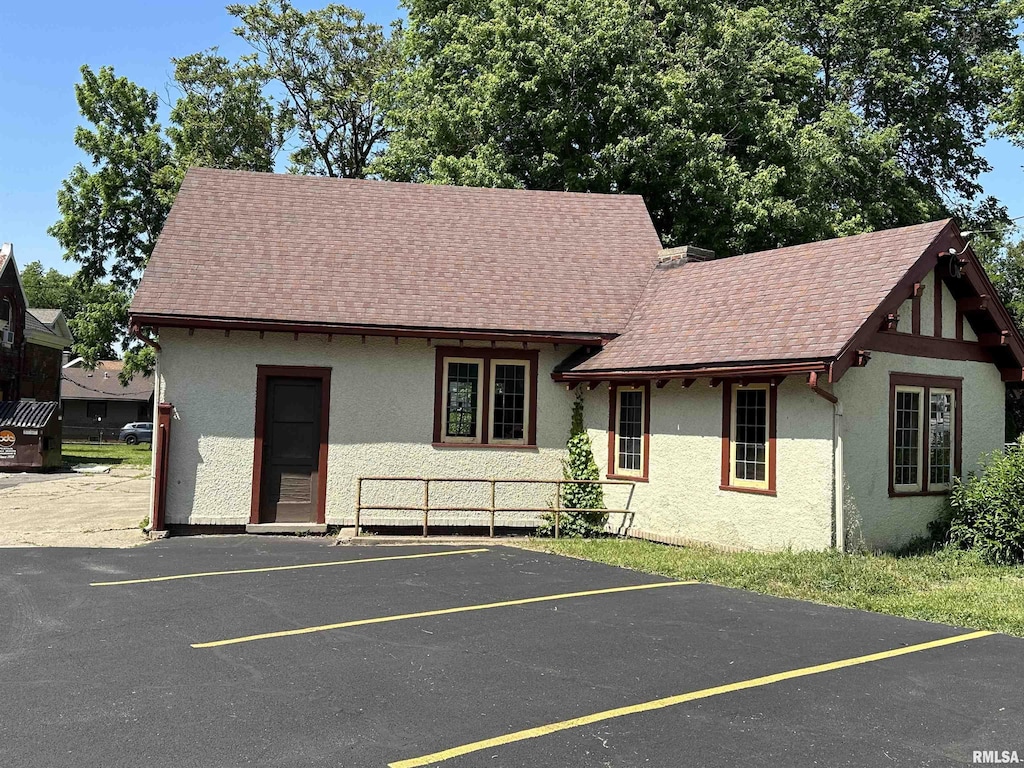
column 948, row 587
column 76, row 454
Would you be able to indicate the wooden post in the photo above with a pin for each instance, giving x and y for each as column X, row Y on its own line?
column 359, row 502
column 426, row 506
column 493, row 484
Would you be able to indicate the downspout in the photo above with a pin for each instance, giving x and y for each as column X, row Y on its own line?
column 838, row 511
column 157, row 528
column 837, row 476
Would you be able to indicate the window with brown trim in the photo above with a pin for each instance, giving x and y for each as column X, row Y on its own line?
column 925, row 429
column 485, row 397
column 748, row 437
column 629, row 418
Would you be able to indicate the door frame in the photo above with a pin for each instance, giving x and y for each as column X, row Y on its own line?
column 263, row 373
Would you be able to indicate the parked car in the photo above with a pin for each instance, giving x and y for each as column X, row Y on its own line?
column 137, row 432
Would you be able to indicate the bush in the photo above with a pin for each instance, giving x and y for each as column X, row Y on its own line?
column 987, row 510
column 580, row 465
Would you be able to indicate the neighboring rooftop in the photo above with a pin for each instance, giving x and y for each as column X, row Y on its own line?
column 103, row 383
column 260, row 246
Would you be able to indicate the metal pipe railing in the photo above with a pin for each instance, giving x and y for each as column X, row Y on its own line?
column 492, row 509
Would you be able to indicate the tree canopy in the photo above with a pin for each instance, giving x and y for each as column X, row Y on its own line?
column 744, row 125
column 331, row 65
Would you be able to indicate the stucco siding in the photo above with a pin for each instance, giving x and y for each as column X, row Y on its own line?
column 380, row 423
column 949, row 315
column 683, row 498
column 873, row 519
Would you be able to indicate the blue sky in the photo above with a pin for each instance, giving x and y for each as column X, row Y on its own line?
column 45, row 43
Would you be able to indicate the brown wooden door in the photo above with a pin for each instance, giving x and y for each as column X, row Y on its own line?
column 291, row 451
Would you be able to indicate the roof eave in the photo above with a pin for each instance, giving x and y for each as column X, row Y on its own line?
column 738, row 370
column 157, row 321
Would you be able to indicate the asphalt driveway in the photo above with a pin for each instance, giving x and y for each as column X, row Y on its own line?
column 292, row 652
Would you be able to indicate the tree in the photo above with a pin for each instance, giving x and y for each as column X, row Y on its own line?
column 332, row 65
column 112, row 213
column 97, row 314
column 222, row 119
column 111, row 216
column 786, row 131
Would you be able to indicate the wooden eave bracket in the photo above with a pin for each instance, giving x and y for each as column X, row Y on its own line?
column 890, row 321
column 918, row 288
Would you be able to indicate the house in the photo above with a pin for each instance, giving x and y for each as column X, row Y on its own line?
column 31, row 347
column 95, row 405
column 316, row 332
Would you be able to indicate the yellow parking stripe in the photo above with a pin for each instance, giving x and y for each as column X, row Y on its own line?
column 287, row 567
column 576, row 722
column 442, row 612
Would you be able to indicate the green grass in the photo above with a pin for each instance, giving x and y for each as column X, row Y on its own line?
column 949, row 587
column 78, row 454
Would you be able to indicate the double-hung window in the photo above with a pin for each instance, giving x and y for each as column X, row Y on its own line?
column 485, row 397
column 628, row 432
column 748, row 432
column 924, row 420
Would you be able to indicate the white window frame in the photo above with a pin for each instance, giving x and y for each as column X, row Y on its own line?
column 481, row 397
column 734, row 481
column 618, row 469
column 492, row 395
column 952, row 436
column 923, row 415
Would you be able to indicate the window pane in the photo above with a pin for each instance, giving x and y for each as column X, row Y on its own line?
column 940, row 438
column 907, row 438
column 509, row 401
column 631, row 429
column 463, row 394
column 751, row 435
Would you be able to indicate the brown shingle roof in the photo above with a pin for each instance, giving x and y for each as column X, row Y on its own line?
column 301, row 249
column 799, row 303
column 103, row 384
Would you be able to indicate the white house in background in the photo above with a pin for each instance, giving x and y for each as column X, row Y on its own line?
column 313, row 332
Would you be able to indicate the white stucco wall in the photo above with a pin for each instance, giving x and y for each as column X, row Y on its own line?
column 683, row 498
column 873, row 519
column 381, row 423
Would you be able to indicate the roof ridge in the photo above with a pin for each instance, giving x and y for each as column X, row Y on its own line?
column 307, row 178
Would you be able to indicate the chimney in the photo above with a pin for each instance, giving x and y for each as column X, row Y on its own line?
column 684, row 254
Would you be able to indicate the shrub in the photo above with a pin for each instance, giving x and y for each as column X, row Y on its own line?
column 579, row 465
column 987, row 510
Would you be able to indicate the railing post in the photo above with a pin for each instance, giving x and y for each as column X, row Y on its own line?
column 359, row 502
column 426, row 506
column 493, row 484
column 558, row 504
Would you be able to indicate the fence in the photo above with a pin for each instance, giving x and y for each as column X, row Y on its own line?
column 491, row 509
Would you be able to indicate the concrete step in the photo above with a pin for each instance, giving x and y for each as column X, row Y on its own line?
column 285, row 528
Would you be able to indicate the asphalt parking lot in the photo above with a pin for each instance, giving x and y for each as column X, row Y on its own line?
column 428, row 655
